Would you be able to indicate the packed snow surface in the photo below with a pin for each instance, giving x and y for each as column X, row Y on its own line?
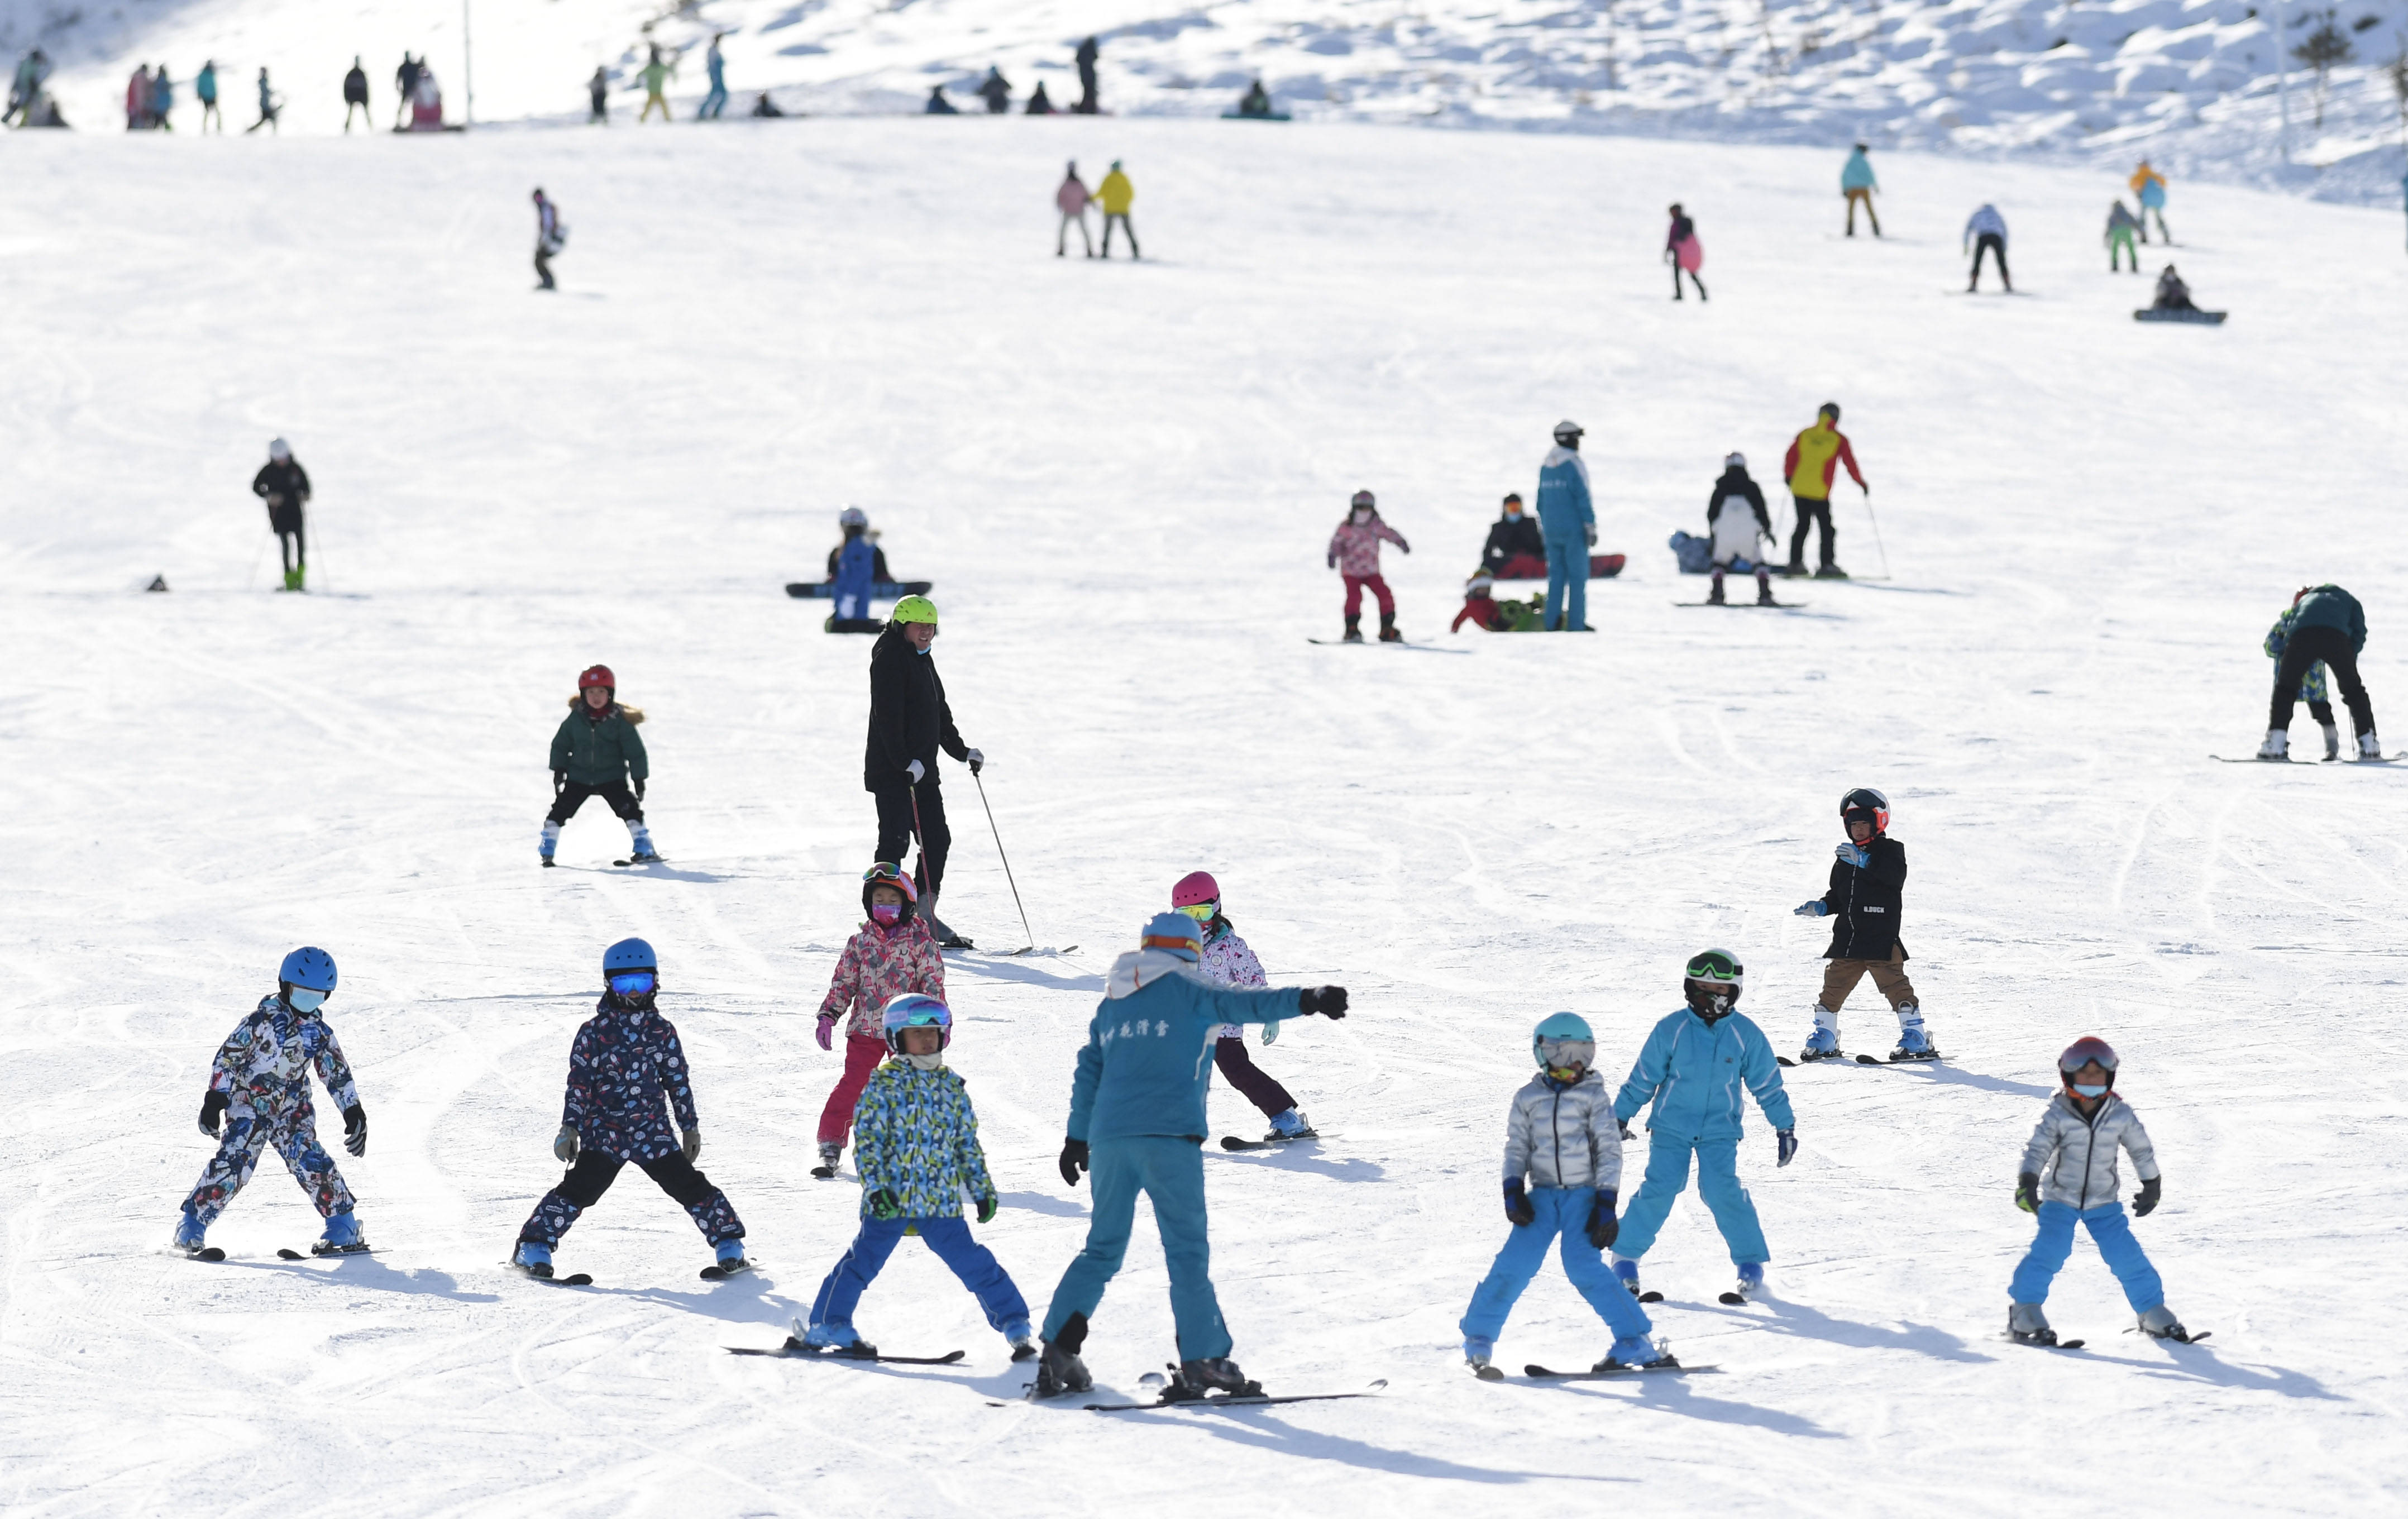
column 1122, row 477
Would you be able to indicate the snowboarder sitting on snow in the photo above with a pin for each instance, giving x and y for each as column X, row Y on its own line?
column 1508, row 616
column 626, row 1074
column 1514, row 549
column 1563, row 1167
column 1229, row 962
column 1255, row 101
column 1737, row 520
column 2326, row 625
column 259, row 1085
column 895, row 954
column 919, row 1154
column 2313, row 688
column 1866, row 884
column 1690, row 1070
column 2173, row 294
column 2086, row 1119
column 597, row 752
column 1355, row 554
column 856, row 568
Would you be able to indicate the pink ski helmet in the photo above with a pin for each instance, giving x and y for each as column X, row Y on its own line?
column 1195, row 889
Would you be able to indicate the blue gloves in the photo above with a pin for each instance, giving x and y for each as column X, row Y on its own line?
column 1855, row 855
column 1603, row 1227
column 1517, row 1207
column 1788, row 1139
column 1812, row 909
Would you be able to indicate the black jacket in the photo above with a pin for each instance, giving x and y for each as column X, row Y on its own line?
column 356, row 87
column 284, row 485
column 1865, row 903
column 1511, row 535
column 1735, row 482
column 907, row 715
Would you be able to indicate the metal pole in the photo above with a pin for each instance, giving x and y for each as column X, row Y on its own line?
column 467, row 68
column 1877, row 538
column 1005, row 858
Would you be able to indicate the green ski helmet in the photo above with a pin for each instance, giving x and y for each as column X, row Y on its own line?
column 1560, row 1040
column 914, row 610
column 1713, row 983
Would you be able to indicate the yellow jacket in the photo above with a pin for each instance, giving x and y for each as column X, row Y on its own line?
column 1116, row 193
column 2141, row 177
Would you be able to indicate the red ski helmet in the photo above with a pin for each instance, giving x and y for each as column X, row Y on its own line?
column 1195, row 889
column 598, row 675
column 2081, row 1051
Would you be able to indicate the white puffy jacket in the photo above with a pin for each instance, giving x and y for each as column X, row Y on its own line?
column 1564, row 1135
column 2075, row 1158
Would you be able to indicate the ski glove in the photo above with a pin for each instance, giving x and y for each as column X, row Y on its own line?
column 1815, row 908
column 1271, row 1032
column 1074, row 1160
column 1603, row 1227
column 1591, row 535
column 1328, row 1001
column 2146, row 1203
column 1855, row 855
column 639, row 793
column 1788, row 1139
column 1623, row 1126
column 355, row 1130
column 564, row 1145
column 986, row 1208
column 2028, row 1192
column 977, row 760
column 827, row 1031
column 883, row 1205
column 559, row 782
column 1517, row 1207
column 211, row 1106
column 916, row 772
column 691, row 1143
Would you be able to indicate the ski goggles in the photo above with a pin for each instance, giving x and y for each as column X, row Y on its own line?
column 634, row 983
column 304, row 999
column 1202, row 911
column 1565, row 1054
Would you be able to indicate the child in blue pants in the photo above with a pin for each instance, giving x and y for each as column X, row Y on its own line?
column 916, row 1146
column 1560, row 1136
column 2076, row 1146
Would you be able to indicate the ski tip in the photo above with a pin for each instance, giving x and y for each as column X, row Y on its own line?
column 1485, row 1373
column 1785, row 1060
column 1867, row 1060
column 1232, row 1142
column 1731, row 1300
column 1651, row 1297
column 290, row 1256
column 578, row 1280
column 2070, row 1344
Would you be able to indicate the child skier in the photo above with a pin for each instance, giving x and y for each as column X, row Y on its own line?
column 1561, row 1140
column 1227, row 962
column 1690, row 1069
column 2326, row 625
column 2087, row 1116
column 1736, row 521
column 1355, row 554
column 597, row 751
column 2313, row 688
column 627, row 1072
column 1863, row 901
column 2121, row 225
column 259, row 1084
column 895, row 952
column 918, row 1151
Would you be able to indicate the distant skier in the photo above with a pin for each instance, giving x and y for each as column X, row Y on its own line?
column 856, row 566
column 1355, row 554
column 908, row 722
column 2173, row 294
column 550, row 238
column 895, row 952
column 1682, row 250
column 268, row 109
column 656, row 75
column 2327, row 626
column 1117, row 195
column 1136, row 1118
column 627, row 1077
column 1863, row 903
column 1516, row 550
column 1738, row 523
column 1229, row 962
column 597, row 95
column 25, row 88
column 2312, row 687
column 763, row 106
column 355, row 96
column 1255, row 103
column 1071, row 201
column 996, row 91
column 1856, row 182
column 1990, row 229
column 1568, row 523
column 204, row 90
column 2121, row 225
column 1688, row 1075
column 596, row 752
column 2086, row 1116
column 137, row 98
column 1563, row 1169
column 1085, row 59
column 1039, row 103
column 404, row 81
column 2150, row 186
column 714, row 62
column 284, row 485
column 937, row 105
column 919, row 1155
column 163, row 98
column 259, row 1085
column 1810, row 466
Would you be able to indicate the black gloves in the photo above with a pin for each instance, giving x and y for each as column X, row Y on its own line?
column 986, row 1208
column 211, row 1106
column 2028, row 1192
column 1787, row 1145
column 1517, row 1207
column 639, row 793
column 1603, row 1227
column 884, row 1205
column 559, row 782
column 355, row 1130
column 1625, row 1127
column 1328, row 1001
column 1074, row 1160
column 2146, row 1203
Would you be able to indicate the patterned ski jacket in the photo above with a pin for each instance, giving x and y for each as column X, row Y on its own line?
column 1558, row 1136
column 1148, row 1053
column 916, row 1134
column 264, row 1063
column 626, row 1071
column 880, row 963
column 1227, row 962
column 1355, row 551
column 2074, row 1157
column 1693, row 1074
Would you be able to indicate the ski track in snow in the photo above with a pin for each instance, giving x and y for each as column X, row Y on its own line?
column 1121, row 478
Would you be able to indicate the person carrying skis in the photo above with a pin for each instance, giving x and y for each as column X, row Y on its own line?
column 1868, row 884
column 1563, row 1167
column 550, row 238
column 1985, row 232
column 1514, row 549
column 1071, row 201
column 596, row 752
column 259, row 1086
column 597, row 95
column 2121, row 225
column 626, row 1077
column 1137, row 1120
column 996, row 91
column 1116, row 195
column 856, row 569
column 1682, row 250
column 1814, row 455
column 2087, row 1120
column 910, row 720
column 1568, row 523
column 919, row 1154
column 1737, row 521
column 355, row 96
column 1229, row 962
column 205, row 89
column 2150, row 186
column 2312, row 687
column 284, row 485
column 1691, row 1070
column 894, row 954
column 714, row 64
column 1856, row 182
column 2325, row 625
column 656, row 75
column 1355, row 554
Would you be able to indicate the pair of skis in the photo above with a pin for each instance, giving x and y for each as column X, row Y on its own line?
column 2077, row 1344
column 213, row 1254
column 1862, row 1060
column 713, row 1272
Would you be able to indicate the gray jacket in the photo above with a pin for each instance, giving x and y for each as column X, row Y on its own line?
column 1564, row 1135
column 2076, row 1158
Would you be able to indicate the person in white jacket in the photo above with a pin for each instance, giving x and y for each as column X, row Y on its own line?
column 2068, row 1173
column 1985, row 232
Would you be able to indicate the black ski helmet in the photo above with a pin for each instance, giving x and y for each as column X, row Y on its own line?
column 1713, row 983
column 1866, row 802
column 1363, row 501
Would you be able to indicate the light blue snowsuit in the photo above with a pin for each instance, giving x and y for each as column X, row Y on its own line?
column 1565, row 517
column 1693, row 1072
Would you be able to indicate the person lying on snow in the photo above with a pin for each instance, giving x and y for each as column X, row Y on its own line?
column 1508, row 616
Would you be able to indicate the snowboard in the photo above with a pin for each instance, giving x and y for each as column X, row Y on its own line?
column 2203, row 318
column 879, row 589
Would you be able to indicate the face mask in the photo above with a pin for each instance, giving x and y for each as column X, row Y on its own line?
column 888, row 913
column 2080, row 1090
column 302, row 999
column 927, row 1061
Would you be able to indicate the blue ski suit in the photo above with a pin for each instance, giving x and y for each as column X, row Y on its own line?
column 854, row 578
column 1693, row 1072
column 1565, row 515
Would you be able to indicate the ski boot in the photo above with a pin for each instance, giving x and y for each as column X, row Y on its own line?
column 1764, row 593
column 533, row 1258
column 548, row 861
column 2276, row 747
column 342, row 1237
column 1476, row 1353
column 1292, row 1124
column 1625, row 1271
column 2160, row 1323
column 2368, row 747
column 1824, row 1043
column 1830, row 572
column 1193, row 1380
column 836, row 1339
column 2028, row 1326
column 1913, row 1042
column 2333, row 741
column 1353, row 631
column 639, row 841
column 1388, row 633
column 1750, row 1284
column 730, row 1258
column 1059, row 1370
column 946, row 938
column 1635, row 1352
column 1714, row 597
column 1023, row 1343
column 191, row 1234
column 831, row 1152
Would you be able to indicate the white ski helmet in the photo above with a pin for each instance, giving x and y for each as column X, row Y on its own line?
column 1734, row 459
column 279, row 449
column 1567, row 429
column 853, row 516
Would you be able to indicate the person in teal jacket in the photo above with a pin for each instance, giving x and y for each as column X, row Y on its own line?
column 1857, row 183
column 1137, row 1123
column 1692, row 1070
column 598, row 752
column 1568, row 525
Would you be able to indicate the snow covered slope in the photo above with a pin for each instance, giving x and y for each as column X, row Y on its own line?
column 1121, row 477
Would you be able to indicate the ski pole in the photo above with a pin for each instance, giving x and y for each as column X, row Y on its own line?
column 1005, row 858
column 251, row 579
column 1877, row 538
column 920, row 838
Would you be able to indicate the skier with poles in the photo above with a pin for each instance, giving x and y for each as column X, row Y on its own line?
column 284, row 485
column 1814, row 455
column 908, row 722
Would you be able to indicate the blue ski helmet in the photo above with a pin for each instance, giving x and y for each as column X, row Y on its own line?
column 915, row 1009
column 1177, row 933
column 307, row 967
column 1560, row 1037
column 629, row 954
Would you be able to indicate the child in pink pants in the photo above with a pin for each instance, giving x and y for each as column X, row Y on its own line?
column 894, row 954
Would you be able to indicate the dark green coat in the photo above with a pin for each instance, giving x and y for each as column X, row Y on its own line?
column 604, row 752
column 2330, row 606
